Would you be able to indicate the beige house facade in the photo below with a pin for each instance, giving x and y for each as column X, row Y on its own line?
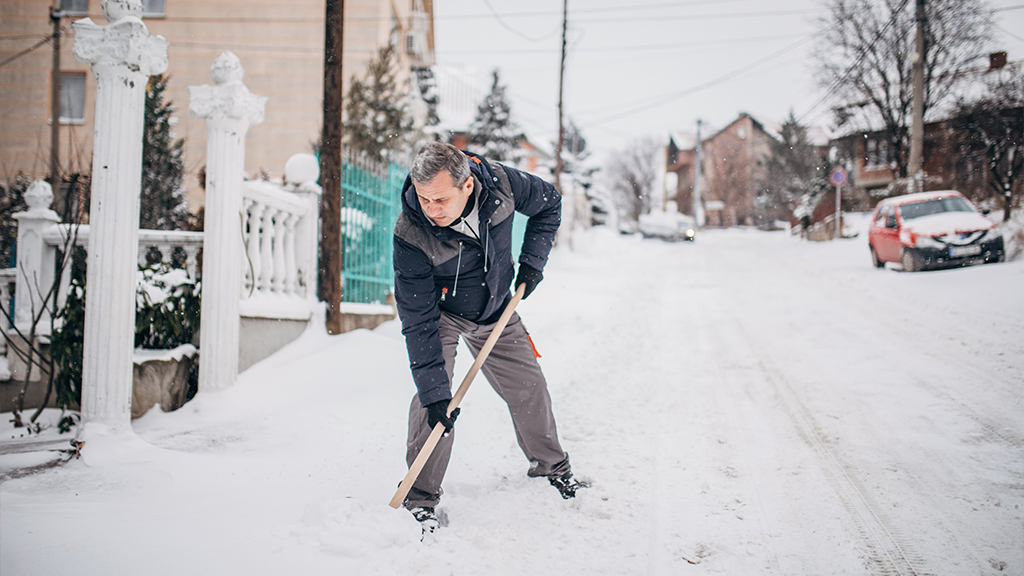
column 279, row 42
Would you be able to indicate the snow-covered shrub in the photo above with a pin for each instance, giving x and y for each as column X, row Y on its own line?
column 166, row 308
column 166, row 316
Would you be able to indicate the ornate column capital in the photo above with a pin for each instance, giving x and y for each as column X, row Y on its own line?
column 228, row 99
column 126, row 40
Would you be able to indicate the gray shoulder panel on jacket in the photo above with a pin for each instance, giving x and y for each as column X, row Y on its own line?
column 438, row 252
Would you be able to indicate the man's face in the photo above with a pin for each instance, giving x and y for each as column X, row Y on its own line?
column 441, row 200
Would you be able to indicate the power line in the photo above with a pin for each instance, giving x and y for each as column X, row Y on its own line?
column 677, row 95
column 25, row 51
column 511, row 29
column 735, row 15
column 1008, row 33
column 635, row 48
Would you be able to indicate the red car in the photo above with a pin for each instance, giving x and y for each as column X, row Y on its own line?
column 931, row 230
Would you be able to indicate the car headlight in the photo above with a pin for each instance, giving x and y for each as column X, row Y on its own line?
column 689, row 232
column 926, row 242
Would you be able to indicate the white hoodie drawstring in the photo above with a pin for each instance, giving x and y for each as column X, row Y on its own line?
column 458, row 266
column 487, row 240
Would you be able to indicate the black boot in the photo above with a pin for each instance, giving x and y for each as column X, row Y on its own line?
column 426, row 517
column 567, row 485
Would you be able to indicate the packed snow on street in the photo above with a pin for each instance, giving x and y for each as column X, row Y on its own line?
column 750, row 403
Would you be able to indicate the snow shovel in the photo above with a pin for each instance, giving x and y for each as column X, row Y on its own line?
column 435, row 434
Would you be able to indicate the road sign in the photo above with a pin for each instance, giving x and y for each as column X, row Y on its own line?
column 838, row 177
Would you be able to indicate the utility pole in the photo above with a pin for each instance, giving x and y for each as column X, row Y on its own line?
column 914, row 166
column 561, row 86
column 331, row 255
column 55, row 19
column 696, row 177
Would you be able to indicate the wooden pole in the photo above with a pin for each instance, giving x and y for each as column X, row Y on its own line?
column 561, row 86
column 55, row 19
column 332, row 200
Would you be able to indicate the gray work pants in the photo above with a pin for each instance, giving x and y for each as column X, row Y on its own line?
column 513, row 372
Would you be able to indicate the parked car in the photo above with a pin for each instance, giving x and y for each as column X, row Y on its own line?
column 931, row 230
column 670, row 226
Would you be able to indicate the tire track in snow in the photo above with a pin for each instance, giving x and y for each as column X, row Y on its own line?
column 739, row 428
column 890, row 553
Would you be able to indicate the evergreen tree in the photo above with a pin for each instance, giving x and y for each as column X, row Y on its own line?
column 427, row 85
column 378, row 123
column 162, row 203
column 793, row 169
column 493, row 132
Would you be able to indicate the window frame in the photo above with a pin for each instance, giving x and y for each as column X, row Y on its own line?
column 71, row 120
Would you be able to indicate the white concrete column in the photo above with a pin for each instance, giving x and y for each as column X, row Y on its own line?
column 35, row 266
column 229, row 109
column 123, row 55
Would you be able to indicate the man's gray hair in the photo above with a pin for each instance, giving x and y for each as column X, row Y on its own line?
column 438, row 156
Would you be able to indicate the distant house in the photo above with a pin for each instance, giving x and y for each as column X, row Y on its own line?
column 732, row 168
column 873, row 166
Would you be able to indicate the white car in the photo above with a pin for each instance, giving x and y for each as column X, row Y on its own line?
column 670, row 226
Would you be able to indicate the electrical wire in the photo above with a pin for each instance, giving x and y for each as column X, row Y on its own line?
column 513, row 30
column 25, row 51
column 1008, row 33
column 692, row 90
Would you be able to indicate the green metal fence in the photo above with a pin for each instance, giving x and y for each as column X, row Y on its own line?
column 372, row 195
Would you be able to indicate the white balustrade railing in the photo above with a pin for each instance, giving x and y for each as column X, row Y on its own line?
column 280, row 230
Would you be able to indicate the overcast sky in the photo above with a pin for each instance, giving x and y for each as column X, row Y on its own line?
column 649, row 67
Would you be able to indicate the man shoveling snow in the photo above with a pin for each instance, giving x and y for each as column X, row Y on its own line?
column 453, row 268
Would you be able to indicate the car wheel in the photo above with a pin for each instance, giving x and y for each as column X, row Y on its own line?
column 874, row 258
column 910, row 261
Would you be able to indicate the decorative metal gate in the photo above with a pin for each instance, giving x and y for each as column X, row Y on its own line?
column 372, row 201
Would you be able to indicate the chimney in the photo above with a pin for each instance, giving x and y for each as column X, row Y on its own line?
column 996, row 60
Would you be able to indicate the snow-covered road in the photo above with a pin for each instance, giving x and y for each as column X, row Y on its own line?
column 747, row 404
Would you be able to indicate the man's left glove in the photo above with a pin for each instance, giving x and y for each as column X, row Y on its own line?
column 530, row 276
column 438, row 412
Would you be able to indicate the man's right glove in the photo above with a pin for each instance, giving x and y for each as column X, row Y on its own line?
column 438, row 412
column 530, row 276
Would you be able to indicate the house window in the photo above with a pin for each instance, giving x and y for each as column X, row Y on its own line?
column 876, row 152
column 72, row 97
column 153, row 8
column 74, row 7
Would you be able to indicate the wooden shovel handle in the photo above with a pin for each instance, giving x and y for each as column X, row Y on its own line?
column 435, row 434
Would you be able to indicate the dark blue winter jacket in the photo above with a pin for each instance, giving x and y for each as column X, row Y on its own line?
column 429, row 259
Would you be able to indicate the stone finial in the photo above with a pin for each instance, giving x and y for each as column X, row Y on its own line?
column 226, row 68
column 39, row 196
column 229, row 99
column 114, row 10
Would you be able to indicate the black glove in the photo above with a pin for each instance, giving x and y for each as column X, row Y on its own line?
column 438, row 412
column 530, row 276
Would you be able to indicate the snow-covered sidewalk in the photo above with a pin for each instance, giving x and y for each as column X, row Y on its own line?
column 747, row 404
